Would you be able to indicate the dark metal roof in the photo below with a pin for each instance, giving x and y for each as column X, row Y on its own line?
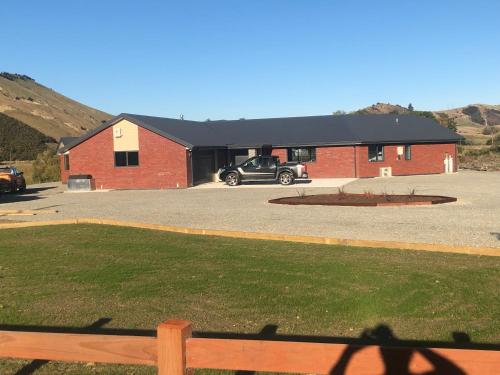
column 293, row 131
column 66, row 143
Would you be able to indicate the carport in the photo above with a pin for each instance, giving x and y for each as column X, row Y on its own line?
column 207, row 161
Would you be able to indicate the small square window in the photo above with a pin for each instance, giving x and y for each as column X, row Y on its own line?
column 132, row 158
column 120, row 159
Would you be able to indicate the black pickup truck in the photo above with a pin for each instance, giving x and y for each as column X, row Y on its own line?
column 263, row 168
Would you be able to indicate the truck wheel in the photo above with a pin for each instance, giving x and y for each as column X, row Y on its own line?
column 232, row 179
column 286, row 178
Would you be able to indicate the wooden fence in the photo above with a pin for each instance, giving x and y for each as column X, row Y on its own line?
column 174, row 350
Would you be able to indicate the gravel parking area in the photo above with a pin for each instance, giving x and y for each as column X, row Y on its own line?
column 473, row 220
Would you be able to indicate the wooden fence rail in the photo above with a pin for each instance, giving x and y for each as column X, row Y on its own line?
column 174, row 351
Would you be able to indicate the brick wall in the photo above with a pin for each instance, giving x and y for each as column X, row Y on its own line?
column 330, row 162
column 281, row 153
column 166, row 164
column 351, row 161
column 425, row 159
column 162, row 163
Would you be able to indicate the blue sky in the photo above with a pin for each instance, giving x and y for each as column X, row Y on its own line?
column 256, row 58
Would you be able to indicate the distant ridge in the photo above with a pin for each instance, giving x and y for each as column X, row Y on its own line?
column 473, row 114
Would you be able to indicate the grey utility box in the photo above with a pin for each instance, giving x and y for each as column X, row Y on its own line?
column 81, row 182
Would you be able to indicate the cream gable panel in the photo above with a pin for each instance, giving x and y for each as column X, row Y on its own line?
column 125, row 136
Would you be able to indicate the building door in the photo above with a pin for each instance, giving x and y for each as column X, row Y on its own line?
column 203, row 166
column 448, row 163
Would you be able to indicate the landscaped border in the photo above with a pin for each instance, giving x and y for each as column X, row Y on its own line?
column 470, row 250
column 297, row 201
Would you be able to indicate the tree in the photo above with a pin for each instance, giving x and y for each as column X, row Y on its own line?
column 19, row 141
column 410, row 107
column 46, row 167
column 339, row 112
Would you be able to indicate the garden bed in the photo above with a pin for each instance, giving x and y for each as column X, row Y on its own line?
column 370, row 200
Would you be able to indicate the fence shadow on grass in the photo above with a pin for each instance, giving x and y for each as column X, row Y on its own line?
column 31, row 367
column 395, row 353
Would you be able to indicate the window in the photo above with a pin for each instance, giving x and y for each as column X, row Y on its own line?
column 375, row 153
column 304, row 154
column 126, row 158
column 252, row 163
column 269, row 161
column 66, row 162
column 407, row 152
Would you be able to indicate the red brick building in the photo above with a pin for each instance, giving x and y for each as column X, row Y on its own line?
column 143, row 152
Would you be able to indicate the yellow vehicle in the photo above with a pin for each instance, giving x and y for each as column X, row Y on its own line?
column 11, row 180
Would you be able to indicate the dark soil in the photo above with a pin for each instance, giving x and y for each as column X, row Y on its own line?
column 347, row 199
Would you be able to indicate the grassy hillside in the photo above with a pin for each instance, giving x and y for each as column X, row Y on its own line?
column 45, row 110
column 18, row 141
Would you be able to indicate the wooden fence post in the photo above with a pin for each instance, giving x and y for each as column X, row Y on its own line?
column 171, row 337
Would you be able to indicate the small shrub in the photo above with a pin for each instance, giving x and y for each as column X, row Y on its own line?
column 478, row 151
column 341, row 192
column 46, row 167
column 495, row 148
column 489, row 130
column 368, row 193
column 301, row 193
column 495, row 141
column 387, row 196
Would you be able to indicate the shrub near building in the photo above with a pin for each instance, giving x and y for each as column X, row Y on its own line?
column 46, row 167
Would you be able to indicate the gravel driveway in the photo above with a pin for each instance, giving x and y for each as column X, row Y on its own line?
column 473, row 220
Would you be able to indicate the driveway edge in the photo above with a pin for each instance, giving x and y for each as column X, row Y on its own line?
column 470, row 250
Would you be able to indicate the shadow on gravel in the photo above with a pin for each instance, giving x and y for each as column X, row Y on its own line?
column 13, row 198
column 30, row 194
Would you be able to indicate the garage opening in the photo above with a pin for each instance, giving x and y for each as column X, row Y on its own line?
column 206, row 164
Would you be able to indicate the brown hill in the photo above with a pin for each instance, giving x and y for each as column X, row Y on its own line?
column 44, row 109
column 475, row 114
column 382, row 108
column 470, row 120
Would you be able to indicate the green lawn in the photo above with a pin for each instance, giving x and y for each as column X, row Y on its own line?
column 74, row 275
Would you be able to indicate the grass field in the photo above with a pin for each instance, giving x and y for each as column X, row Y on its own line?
column 74, row 275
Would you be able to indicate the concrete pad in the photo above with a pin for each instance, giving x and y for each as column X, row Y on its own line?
column 315, row 183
